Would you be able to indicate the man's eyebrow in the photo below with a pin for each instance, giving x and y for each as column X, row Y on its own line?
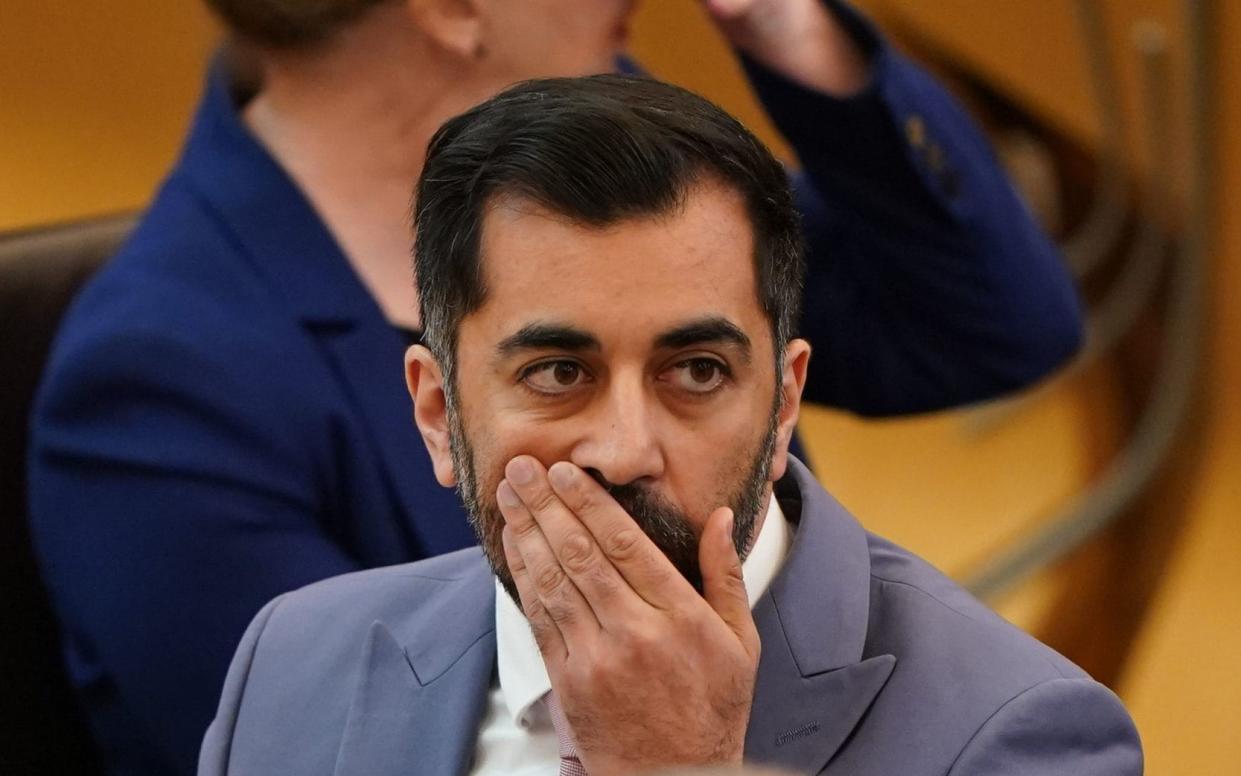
column 703, row 331
column 547, row 336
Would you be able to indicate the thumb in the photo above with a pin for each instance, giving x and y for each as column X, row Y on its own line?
column 723, row 586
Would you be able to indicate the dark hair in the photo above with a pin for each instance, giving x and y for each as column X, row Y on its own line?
column 598, row 150
column 289, row 23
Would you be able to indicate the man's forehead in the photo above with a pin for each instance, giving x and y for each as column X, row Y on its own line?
column 692, row 262
column 703, row 246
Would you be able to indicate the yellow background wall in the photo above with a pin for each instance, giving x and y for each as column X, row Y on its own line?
column 94, row 99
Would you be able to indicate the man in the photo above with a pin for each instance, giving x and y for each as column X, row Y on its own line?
column 220, row 421
column 609, row 274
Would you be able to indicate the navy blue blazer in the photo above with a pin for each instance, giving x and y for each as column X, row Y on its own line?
column 873, row 664
column 224, row 415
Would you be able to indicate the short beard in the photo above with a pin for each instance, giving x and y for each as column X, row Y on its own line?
column 667, row 526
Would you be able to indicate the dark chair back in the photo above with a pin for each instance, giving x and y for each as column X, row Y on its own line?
column 42, row 730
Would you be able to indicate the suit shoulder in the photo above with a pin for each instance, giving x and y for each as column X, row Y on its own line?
column 967, row 684
column 450, row 567
column 347, row 605
column 916, row 609
column 1058, row 726
column 180, row 274
column 289, row 695
column 178, row 319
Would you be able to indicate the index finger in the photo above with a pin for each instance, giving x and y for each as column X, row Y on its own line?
column 567, row 540
column 643, row 565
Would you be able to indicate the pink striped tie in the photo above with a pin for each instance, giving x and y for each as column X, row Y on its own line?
column 569, row 764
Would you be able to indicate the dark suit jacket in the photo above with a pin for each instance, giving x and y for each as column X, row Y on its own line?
column 872, row 664
column 224, row 416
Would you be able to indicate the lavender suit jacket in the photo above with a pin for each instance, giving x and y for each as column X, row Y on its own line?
column 872, row 663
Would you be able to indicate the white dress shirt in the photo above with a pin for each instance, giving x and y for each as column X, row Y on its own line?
column 516, row 737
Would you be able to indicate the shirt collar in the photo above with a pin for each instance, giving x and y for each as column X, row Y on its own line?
column 522, row 674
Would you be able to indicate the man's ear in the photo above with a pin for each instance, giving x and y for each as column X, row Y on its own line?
column 426, row 386
column 793, row 381
column 455, row 26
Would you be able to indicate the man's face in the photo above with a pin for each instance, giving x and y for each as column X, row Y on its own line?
column 540, row 38
column 638, row 352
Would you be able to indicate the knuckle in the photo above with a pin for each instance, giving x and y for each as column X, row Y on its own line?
column 607, row 668
column 560, row 611
column 577, row 553
column 549, row 579
column 526, row 530
column 516, row 564
column 596, row 673
column 601, row 583
column 639, row 643
column 583, row 499
column 623, row 543
column 542, row 499
column 541, row 630
column 535, row 614
column 733, row 581
column 564, row 606
column 658, row 572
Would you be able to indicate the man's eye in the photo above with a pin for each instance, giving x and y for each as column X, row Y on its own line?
column 554, row 376
column 699, row 375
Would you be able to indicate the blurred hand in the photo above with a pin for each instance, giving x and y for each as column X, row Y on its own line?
column 799, row 39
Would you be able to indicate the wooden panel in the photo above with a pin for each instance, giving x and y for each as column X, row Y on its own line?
column 1184, row 683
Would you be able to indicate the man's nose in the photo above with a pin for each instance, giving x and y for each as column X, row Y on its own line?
column 620, row 441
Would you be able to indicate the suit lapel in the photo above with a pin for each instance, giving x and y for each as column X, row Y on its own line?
column 287, row 245
column 417, row 707
column 398, row 726
column 799, row 722
column 387, row 411
column 814, row 687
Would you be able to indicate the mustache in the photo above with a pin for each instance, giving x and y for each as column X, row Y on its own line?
column 665, row 525
column 641, row 502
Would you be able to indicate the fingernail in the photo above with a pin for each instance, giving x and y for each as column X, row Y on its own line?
column 519, row 471
column 560, row 474
column 728, row 531
column 506, row 495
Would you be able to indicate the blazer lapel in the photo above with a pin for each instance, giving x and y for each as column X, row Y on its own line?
column 417, row 708
column 385, row 407
column 814, row 686
column 288, row 246
column 799, row 722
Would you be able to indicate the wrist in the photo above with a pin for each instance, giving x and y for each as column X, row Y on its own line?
column 803, row 41
column 822, row 55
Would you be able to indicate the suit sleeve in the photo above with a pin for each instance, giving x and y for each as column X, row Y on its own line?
column 1064, row 727
column 217, row 744
column 929, row 284
column 173, row 494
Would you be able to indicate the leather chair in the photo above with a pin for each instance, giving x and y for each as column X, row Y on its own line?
column 42, row 730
